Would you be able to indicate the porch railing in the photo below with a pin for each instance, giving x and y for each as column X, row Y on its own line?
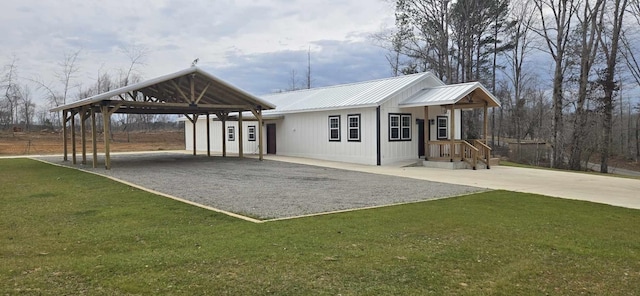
column 459, row 150
column 484, row 152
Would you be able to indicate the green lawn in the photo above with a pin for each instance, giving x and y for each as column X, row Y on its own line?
column 66, row 232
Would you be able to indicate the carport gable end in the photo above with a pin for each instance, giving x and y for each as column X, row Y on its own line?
column 191, row 92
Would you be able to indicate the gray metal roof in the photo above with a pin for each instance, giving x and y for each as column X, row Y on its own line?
column 170, row 89
column 362, row 94
column 450, row 94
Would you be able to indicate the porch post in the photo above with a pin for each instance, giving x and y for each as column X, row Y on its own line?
column 486, row 124
column 427, row 128
column 452, row 134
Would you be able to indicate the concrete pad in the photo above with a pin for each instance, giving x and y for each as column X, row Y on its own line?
column 610, row 190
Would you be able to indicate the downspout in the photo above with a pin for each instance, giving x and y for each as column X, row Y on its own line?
column 378, row 138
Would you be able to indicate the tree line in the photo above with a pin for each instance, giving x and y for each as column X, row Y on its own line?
column 19, row 110
column 587, row 47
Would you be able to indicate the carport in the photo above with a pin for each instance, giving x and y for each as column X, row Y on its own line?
column 191, row 92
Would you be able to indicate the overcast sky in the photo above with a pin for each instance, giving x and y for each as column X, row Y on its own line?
column 253, row 44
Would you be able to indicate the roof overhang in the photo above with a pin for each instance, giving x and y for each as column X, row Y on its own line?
column 190, row 91
column 464, row 95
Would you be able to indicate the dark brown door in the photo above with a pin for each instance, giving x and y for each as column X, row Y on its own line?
column 271, row 138
column 420, row 137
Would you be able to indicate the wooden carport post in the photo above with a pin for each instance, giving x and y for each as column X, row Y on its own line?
column 64, row 135
column 193, row 123
column 106, row 122
column 258, row 114
column 240, row 151
column 83, row 133
column 208, row 137
column 73, row 137
column 94, row 142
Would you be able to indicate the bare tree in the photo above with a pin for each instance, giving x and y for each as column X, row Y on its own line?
column 588, row 30
column 11, row 91
column 68, row 72
column 609, row 44
column 27, row 107
column 556, row 18
column 520, row 47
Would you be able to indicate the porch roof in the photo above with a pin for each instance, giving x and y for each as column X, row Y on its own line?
column 470, row 94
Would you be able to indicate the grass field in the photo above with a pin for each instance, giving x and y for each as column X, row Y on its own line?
column 66, row 232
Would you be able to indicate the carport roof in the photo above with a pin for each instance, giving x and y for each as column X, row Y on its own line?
column 188, row 91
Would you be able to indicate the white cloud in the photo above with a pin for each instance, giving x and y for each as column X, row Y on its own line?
column 175, row 32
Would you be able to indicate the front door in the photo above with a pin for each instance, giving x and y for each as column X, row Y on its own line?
column 420, row 137
column 271, row 138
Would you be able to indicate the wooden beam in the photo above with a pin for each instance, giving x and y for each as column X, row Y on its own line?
column 208, row 137
column 194, row 121
column 94, row 141
column 452, row 133
column 73, row 137
column 486, row 123
column 193, row 89
column 258, row 114
column 64, row 135
column 83, row 134
column 180, row 91
column 240, row 150
column 224, row 137
column 106, row 118
column 202, row 93
column 427, row 128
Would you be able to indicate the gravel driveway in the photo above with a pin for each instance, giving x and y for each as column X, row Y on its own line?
column 268, row 189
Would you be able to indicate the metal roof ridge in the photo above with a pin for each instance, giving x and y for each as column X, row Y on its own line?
column 348, row 84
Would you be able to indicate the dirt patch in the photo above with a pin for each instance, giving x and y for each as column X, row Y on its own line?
column 47, row 142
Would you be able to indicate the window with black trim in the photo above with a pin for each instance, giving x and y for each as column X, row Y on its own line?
column 442, row 123
column 353, row 128
column 251, row 131
column 399, row 127
column 231, row 133
column 334, row 128
column 406, row 126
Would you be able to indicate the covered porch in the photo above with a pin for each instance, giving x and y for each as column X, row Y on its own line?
column 442, row 107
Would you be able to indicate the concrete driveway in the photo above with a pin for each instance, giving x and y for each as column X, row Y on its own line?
column 610, row 190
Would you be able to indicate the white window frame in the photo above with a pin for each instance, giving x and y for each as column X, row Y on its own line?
column 355, row 127
column 334, row 128
column 231, row 133
column 445, row 127
column 251, row 132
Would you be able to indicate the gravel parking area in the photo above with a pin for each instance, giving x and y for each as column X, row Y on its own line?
column 267, row 189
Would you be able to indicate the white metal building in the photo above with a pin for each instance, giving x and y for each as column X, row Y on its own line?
column 375, row 122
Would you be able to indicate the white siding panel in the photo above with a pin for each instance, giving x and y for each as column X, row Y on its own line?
column 307, row 135
column 215, row 136
column 396, row 151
